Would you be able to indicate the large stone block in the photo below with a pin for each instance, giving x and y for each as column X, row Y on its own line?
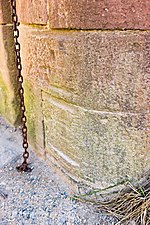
column 94, row 100
column 104, row 148
column 5, row 12
column 106, row 71
column 9, row 103
column 114, row 14
column 32, row 11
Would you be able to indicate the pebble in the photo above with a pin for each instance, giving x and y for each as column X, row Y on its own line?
column 14, row 213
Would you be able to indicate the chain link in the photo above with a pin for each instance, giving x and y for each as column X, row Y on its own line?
column 24, row 165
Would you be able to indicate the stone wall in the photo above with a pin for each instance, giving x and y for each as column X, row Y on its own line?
column 86, row 66
column 8, row 86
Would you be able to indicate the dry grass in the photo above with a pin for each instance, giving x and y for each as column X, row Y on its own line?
column 131, row 204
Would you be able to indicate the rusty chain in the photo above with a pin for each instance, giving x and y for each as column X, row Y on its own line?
column 24, row 166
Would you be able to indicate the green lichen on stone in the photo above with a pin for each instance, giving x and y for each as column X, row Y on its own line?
column 3, row 96
column 31, row 101
column 9, row 104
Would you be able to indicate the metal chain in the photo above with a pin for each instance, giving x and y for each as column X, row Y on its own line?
column 24, row 166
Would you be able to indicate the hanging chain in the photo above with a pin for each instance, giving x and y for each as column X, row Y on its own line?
column 24, row 165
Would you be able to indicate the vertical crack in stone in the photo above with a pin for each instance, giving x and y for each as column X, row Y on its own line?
column 43, row 124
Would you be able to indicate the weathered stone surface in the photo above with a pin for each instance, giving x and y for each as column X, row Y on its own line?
column 94, row 100
column 8, row 87
column 32, row 11
column 114, row 14
column 103, row 148
column 35, row 121
column 5, row 12
column 99, row 71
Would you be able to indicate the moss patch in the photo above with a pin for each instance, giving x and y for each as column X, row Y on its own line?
column 31, row 102
column 3, row 96
column 8, row 104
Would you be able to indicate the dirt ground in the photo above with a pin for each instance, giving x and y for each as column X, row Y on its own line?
column 40, row 197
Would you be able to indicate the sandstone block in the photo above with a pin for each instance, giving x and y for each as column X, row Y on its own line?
column 105, row 71
column 103, row 148
column 9, row 103
column 32, row 12
column 114, row 14
column 5, row 12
